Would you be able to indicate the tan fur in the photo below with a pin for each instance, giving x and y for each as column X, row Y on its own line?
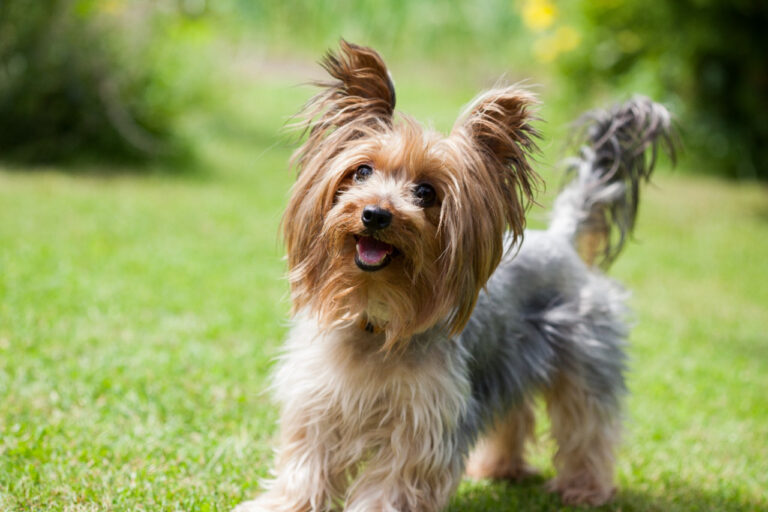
column 587, row 435
column 357, row 425
column 481, row 166
column 365, row 424
column 593, row 238
column 500, row 454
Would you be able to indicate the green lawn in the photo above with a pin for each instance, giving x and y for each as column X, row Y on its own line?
column 140, row 314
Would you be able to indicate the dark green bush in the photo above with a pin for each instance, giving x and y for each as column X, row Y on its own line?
column 709, row 58
column 71, row 86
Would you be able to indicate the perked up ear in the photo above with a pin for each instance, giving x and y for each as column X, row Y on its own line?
column 494, row 184
column 498, row 123
column 360, row 99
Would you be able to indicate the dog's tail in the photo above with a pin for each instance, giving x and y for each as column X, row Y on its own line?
column 596, row 211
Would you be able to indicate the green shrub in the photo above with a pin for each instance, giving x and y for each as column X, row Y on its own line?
column 71, row 85
column 706, row 57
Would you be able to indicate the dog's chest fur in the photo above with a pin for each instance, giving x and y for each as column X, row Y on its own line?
column 349, row 393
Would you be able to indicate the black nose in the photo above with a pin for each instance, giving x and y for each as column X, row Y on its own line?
column 376, row 218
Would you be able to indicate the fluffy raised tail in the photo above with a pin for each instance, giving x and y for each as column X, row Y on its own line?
column 597, row 209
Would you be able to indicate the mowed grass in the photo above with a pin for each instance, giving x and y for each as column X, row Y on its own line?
column 140, row 314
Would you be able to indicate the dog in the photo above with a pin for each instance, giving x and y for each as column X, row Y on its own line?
column 425, row 321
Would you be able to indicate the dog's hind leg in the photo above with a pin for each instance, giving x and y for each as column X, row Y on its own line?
column 500, row 454
column 587, row 430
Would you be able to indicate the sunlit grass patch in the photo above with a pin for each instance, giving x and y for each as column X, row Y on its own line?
column 140, row 315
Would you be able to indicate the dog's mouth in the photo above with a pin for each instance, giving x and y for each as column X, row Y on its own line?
column 372, row 254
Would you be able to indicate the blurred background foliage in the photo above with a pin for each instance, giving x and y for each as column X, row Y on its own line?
column 87, row 78
column 119, row 79
column 707, row 57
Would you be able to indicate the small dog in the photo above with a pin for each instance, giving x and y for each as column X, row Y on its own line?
column 423, row 326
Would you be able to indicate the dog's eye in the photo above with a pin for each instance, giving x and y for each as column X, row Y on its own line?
column 363, row 173
column 425, row 195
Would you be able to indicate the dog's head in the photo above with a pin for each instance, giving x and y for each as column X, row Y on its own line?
column 394, row 226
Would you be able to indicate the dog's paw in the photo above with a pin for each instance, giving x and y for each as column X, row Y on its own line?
column 581, row 495
column 515, row 471
column 486, row 464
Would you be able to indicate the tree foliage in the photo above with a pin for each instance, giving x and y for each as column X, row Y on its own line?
column 707, row 57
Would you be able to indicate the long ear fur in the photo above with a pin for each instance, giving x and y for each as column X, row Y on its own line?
column 361, row 98
column 359, row 101
column 491, row 143
column 498, row 121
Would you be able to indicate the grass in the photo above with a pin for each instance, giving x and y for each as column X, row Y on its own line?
column 140, row 314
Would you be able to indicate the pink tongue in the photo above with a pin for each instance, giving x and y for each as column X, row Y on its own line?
column 372, row 251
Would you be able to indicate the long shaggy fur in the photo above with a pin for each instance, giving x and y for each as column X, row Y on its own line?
column 619, row 150
column 481, row 166
column 392, row 375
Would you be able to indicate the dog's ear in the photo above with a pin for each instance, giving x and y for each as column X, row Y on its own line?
column 493, row 186
column 362, row 81
column 498, row 123
column 359, row 100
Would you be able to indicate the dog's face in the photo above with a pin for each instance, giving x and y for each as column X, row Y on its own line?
column 393, row 226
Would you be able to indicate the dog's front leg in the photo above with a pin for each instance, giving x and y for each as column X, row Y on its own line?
column 419, row 478
column 305, row 480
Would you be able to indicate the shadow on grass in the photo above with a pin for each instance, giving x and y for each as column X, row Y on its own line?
column 530, row 496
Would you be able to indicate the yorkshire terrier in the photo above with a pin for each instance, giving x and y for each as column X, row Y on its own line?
column 423, row 325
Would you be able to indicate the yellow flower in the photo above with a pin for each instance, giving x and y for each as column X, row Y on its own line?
column 544, row 49
column 111, row 6
column 538, row 14
column 564, row 39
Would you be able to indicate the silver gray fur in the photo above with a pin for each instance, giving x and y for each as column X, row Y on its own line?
column 544, row 310
column 619, row 151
